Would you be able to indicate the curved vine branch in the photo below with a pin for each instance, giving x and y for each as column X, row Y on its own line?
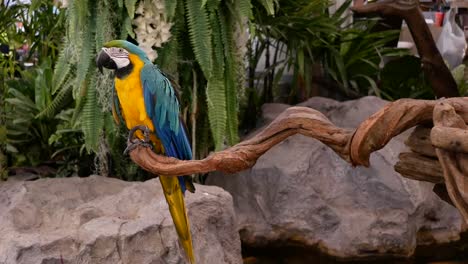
column 372, row 135
column 294, row 120
column 375, row 132
column 451, row 152
column 449, row 136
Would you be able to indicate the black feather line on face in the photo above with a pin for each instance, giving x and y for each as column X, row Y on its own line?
column 124, row 72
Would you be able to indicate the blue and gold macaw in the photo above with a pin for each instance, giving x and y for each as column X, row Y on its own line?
column 144, row 96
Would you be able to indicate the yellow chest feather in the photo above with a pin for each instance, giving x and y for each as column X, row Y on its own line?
column 130, row 94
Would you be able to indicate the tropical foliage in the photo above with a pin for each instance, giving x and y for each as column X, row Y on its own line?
column 350, row 53
column 39, row 27
column 203, row 45
column 207, row 59
column 34, row 139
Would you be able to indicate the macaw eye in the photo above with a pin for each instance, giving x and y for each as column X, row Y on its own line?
column 120, row 50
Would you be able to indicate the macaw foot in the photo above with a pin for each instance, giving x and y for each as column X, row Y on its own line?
column 133, row 141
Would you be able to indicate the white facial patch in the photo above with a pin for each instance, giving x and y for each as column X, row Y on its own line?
column 121, row 62
column 119, row 56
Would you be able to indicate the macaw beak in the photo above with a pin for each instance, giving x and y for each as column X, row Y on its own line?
column 104, row 60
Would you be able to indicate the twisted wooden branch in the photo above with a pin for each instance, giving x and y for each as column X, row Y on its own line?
column 452, row 152
column 372, row 135
column 295, row 120
column 449, row 136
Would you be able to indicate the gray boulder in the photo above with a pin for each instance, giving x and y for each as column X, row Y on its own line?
column 302, row 193
column 105, row 220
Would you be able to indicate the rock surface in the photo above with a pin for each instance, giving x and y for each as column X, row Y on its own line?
column 301, row 193
column 105, row 220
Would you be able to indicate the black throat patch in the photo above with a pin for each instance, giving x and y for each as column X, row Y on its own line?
column 124, row 72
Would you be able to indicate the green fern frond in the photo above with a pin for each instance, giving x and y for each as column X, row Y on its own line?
column 92, row 118
column 244, row 8
column 218, row 47
column 72, row 18
column 127, row 29
column 167, row 54
column 216, row 101
column 87, row 51
column 101, row 21
column 200, row 35
column 62, row 68
column 82, row 13
column 269, row 6
column 130, row 6
column 231, row 106
column 170, row 7
column 212, row 6
column 58, row 102
column 231, row 78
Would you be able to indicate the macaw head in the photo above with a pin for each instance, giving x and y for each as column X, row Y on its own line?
column 115, row 54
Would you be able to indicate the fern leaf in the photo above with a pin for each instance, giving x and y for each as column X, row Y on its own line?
column 58, row 102
column 72, row 19
column 231, row 106
column 200, row 35
column 92, row 118
column 170, row 7
column 62, row 68
column 216, row 101
column 218, row 47
column 127, row 29
column 244, row 8
column 101, row 20
column 130, row 5
column 269, row 6
column 212, row 6
column 86, row 54
column 82, row 12
column 230, row 77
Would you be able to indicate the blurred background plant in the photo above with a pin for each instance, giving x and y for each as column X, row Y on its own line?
column 324, row 54
column 34, row 139
column 228, row 57
column 30, row 34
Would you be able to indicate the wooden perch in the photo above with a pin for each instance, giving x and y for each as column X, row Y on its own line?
column 418, row 167
column 372, row 135
column 454, row 161
column 433, row 65
column 420, row 141
column 449, row 135
column 375, row 132
column 294, row 120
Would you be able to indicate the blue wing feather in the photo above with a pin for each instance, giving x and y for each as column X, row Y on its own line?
column 162, row 107
column 116, row 112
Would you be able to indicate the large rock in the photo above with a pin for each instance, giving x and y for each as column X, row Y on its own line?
column 104, row 220
column 302, row 193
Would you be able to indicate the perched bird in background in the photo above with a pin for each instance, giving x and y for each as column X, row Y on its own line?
column 145, row 96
